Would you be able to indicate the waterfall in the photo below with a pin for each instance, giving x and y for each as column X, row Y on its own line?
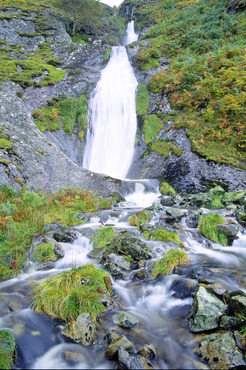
column 112, row 116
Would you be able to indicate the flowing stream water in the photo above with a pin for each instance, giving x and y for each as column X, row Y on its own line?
column 162, row 313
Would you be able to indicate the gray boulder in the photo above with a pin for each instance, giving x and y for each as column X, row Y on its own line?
column 129, row 361
column 206, row 311
column 83, row 331
column 113, row 348
column 125, row 320
column 220, row 351
column 176, row 213
column 237, row 304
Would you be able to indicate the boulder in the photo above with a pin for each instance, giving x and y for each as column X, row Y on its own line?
column 148, row 351
column 113, row 348
column 230, row 323
column 220, row 351
column 230, row 231
column 206, row 311
column 183, row 288
column 130, row 361
column 125, row 320
column 65, row 237
column 237, row 304
column 193, row 220
column 45, row 265
column 83, row 331
column 176, row 213
column 118, row 261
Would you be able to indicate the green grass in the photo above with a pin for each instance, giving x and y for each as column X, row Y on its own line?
column 206, row 77
column 23, row 215
column 68, row 295
column 166, row 264
column 161, row 234
column 208, row 227
column 103, row 237
column 44, row 252
column 7, row 349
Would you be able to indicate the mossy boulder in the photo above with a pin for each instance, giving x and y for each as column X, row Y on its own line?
column 166, row 264
column 151, row 232
column 78, row 291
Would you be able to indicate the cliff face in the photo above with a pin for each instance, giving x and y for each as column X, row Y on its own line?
column 45, row 160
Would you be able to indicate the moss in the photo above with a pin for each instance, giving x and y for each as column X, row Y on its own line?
column 5, row 144
column 208, row 227
column 140, row 218
column 152, row 126
column 103, row 237
column 166, row 189
column 166, row 264
column 44, row 252
column 161, row 234
column 163, row 148
column 19, row 180
column 142, row 100
column 7, row 349
column 77, row 291
column 4, row 161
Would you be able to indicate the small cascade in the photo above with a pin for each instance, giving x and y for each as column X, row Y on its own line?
column 112, row 116
column 131, row 36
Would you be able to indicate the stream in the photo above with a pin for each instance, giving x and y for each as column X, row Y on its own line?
column 160, row 305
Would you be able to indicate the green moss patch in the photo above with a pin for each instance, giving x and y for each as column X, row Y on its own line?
column 72, row 293
column 152, row 126
column 166, row 264
column 7, row 349
column 140, row 218
column 166, row 189
column 63, row 113
column 5, row 144
column 163, row 148
column 208, row 227
column 142, row 100
column 161, row 234
column 103, row 237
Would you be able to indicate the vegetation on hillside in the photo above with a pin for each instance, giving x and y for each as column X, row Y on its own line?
column 23, row 215
column 206, row 47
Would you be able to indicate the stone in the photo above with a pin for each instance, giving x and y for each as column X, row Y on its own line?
column 176, row 213
column 45, row 265
column 206, row 311
column 114, row 347
column 119, row 261
column 148, row 351
column 58, row 250
column 125, row 320
column 230, row 323
column 220, row 351
column 83, row 331
column 134, row 247
column 129, row 361
column 193, row 220
column 65, row 237
column 237, row 304
column 230, row 231
column 166, row 200
column 183, row 288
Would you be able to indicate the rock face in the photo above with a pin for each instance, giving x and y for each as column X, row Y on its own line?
column 83, row 331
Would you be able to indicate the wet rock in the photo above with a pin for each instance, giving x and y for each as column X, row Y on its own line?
column 206, row 311
column 83, row 331
column 176, row 213
column 125, row 320
column 53, row 227
column 118, row 261
column 237, row 304
column 65, row 237
column 230, row 323
column 200, row 199
column 220, row 351
column 148, row 351
column 193, row 220
column 58, row 250
column 10, row 302
column 139, row 275
column 113, row 348
column 45, row 265
column 129, row 361
column 134, row 247
column 230, row 231
column 97, row 252
column 183, row 288
column 167, row 200
column 241, row 216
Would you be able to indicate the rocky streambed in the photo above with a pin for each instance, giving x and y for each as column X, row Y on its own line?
column 164, row 295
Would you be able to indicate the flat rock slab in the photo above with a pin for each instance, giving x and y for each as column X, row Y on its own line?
column 125, row 320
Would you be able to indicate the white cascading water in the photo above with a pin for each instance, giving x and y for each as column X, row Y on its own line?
column 112, row 116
